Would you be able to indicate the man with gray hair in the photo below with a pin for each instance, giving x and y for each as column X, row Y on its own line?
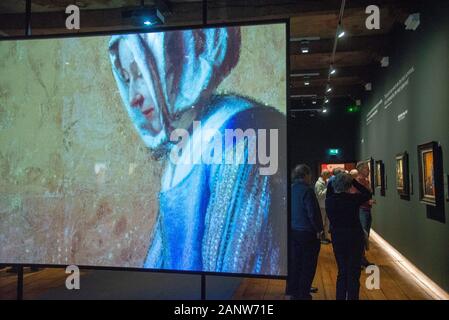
column 306, row 230
column 348, row 238
column 320, row 191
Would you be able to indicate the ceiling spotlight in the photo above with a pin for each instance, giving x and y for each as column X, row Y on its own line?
column 306, row 83
column 340, row 31
column 333, row 71
column 313, row 102
column 326, row 100
column 147, row 16
column 324, row 110
column 329, row 89
column 305, row 46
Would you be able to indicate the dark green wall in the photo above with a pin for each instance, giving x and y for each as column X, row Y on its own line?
column 405, row 224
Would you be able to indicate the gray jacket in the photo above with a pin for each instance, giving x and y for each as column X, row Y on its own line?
column 320, row 191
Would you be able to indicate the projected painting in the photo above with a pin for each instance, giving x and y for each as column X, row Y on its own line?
column 158, row 150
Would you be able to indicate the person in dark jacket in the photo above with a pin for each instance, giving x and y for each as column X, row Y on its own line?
column 348, row 238
column 306, row 230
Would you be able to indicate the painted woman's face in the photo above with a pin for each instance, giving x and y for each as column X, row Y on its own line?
column 142, row 107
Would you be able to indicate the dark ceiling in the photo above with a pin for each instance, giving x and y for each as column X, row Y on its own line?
column 357, row 55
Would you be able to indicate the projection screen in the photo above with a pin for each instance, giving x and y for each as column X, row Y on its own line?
column 159, row 150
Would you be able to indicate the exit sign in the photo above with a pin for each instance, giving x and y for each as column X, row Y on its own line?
column 352, row 109
column 333, row 152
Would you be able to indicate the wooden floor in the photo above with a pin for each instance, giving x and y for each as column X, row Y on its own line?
column 394, row 283
column 34, row 282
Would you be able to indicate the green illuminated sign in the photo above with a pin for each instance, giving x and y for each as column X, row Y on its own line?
column 333, row 152
column 353, row 109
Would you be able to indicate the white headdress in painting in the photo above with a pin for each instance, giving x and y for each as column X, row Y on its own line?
column 180, row 68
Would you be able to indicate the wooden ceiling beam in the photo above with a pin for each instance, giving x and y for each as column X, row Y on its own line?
column 364, row 72
column 355, row 91
column 324, row 24
column 342, row 59
column 372, row 43
column 309, row 17
column 185, row 14
column 338, row 81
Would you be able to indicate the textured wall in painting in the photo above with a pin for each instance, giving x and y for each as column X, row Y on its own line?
column 77, row 184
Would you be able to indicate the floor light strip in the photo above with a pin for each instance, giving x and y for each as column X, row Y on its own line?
column 424, row 281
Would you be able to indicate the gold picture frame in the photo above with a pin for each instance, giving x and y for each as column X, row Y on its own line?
column 402, row 174
column 429, row 170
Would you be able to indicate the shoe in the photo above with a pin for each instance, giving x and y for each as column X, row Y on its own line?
column 313, row 290
column 325, row 241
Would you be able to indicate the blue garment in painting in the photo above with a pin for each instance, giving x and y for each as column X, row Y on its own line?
column 225, row 217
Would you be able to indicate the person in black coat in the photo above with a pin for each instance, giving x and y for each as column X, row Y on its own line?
column 348, row 238
column 306, row 230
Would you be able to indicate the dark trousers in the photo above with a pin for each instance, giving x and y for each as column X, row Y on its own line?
column 304, row 250
column 366, row 220
column 348, row 247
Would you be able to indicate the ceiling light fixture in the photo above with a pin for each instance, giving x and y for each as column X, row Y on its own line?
column 144, row 15
column 340, row 31
column 305, row 46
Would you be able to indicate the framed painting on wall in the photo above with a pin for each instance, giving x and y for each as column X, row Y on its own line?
column 379, row 180
column 402, row 174
column 428, row 170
